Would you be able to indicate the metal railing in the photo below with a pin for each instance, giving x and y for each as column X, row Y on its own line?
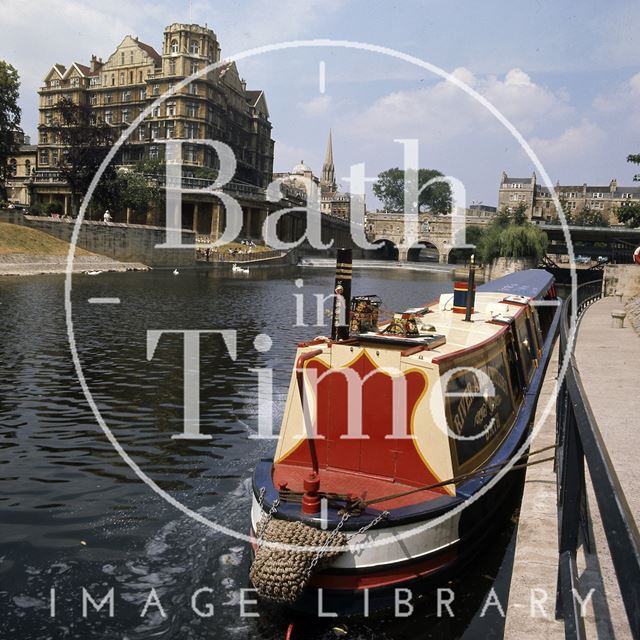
column 580, row 440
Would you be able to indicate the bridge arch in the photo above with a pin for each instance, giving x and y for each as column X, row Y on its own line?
column 386, row 249
column 426, row 251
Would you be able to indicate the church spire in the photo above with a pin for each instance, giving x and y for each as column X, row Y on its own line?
column 328, row 170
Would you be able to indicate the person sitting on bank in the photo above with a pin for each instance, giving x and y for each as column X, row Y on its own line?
column 107, row 217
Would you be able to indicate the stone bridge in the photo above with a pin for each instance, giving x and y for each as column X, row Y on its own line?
column 434, row 234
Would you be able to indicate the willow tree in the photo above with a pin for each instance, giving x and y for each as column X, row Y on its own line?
column 512, row 236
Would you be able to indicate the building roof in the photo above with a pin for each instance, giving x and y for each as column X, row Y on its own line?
column 517, row 180
column 149, row 50
column 328, row 159
column 252, row 96
column 301, row 168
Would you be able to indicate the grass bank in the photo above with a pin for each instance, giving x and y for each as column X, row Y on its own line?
column 16, row 239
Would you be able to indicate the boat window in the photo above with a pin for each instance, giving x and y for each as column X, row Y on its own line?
column 476, row 416
column 516, row 371
column 536, row 327
column 526, row 345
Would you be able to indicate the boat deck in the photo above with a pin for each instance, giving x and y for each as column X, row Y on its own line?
column 363, row 486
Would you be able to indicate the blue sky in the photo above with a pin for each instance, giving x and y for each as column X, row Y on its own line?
column 565, row 73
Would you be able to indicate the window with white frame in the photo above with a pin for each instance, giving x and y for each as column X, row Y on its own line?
column 172, row 67
column 190, row 153
column 174, row 46
column 170, row 129
column 125, row 115
column 154, row 152
column 44, row 156
column 108, row 116
column 171, row 107
column 192, row 109
column 126, row 96
column 194, row 47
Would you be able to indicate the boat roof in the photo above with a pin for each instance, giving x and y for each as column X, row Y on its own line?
column 532, row 283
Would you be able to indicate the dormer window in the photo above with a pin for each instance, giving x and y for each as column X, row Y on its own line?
column 174, row 46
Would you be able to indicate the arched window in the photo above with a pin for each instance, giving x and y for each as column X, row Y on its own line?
column 194, row 47
column 174, row 46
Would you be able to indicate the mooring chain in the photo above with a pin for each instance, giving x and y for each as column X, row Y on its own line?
column 262, row 525
column 327, row 544
column 366, row 527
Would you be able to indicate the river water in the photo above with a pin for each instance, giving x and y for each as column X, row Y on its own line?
column 74, row 515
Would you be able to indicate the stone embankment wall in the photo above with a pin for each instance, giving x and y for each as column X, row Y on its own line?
column 504, row 266
column 622, row 280
column 633, row 313
column 122, row 242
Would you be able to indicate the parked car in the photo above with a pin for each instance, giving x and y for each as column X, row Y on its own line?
column 603, row 259
column 583, row 260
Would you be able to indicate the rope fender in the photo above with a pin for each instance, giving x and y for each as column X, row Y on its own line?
column 281, row 575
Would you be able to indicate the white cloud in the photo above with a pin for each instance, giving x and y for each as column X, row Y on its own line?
column 318, row 106
column 442, row 111
column 622, row 103
column 572, row 146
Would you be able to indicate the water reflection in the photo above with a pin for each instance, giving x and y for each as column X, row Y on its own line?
column 73, row 514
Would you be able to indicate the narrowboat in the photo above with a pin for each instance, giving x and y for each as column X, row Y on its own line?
column 389, row 467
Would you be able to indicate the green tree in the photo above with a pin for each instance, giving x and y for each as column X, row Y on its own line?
column 389, row 189
column 9, row 119
column 629, row 215
column 86, row 143
column 588, row 217
column 510, row 236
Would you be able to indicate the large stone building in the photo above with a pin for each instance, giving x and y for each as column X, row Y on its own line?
column 22, row 165
column 540, row 207
column 216, row 106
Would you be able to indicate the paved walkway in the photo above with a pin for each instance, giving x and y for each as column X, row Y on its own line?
column 536, row 556
column 608, row 361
